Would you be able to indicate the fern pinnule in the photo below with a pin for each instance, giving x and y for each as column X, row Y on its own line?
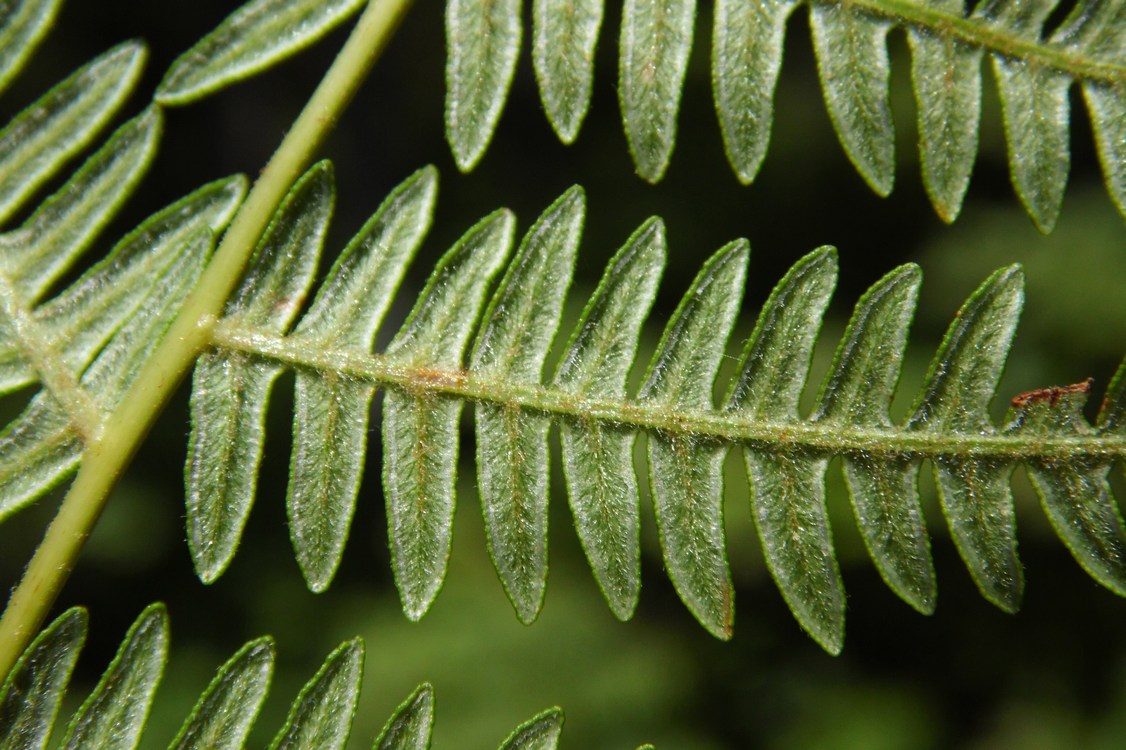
column 113, row 716
column 62, row 122
column 512, row 453
column 226, row 710
column 786, row 454
column 330, row 418
column 686, row 474
column 410, row 725
column 420, row 428
column 598, row 455
column 254, row 38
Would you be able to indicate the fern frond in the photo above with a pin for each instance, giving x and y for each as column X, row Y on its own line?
column 1035, row 70
column 688, row 437
column 116, row 712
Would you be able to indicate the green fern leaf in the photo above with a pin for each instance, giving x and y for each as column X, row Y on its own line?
column 63, row 122
column 1098, row 27
column 597, row 455
column 1112, row 415
column 852, row 59
column 1075, row 496
column 565, row 34
column 64, row 224
column 33, row 692
column 857, row 392
column 786, row 454
column 687, row 475
column 44, row 443
column 252, row 39
column 787, row 486
column 946, row 75
column 23, row 25
column 330, row 419
column 115, row 713
column 321, row 716
column 225, row 713
column 655, row 43
column 1036, row 114
column 483, row 39
column 420, row 430
column 409, row 727
column 975, row 493
column 850, row 42
column 746, row 57
column 538, row 733
column 512, row 452
column 229, row 395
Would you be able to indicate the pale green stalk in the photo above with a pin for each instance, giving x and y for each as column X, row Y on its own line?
column 106, row 457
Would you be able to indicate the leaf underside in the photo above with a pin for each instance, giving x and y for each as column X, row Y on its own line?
column 116, row 713
column 1034, row 72
column 429, row 371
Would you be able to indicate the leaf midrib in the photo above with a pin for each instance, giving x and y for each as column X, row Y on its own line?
column 976, row 33
column 33, row 344
column 695, row 424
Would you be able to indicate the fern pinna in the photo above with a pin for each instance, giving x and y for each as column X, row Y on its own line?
column 1035, row 64
column 427, row 379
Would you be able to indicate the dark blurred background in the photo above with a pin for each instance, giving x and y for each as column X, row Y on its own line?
column 1053, row 676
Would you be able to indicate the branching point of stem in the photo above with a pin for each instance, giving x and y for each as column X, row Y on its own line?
column 106, row 458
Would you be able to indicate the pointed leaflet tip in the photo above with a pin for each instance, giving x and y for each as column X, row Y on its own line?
column 564, row 37
column 31, row 695
column 115, row 713
column 225, row 713
column 482, row 42
column 63, row 122
column 656, row 39
column 409, row 727
column 321, row 715
column 852, row 60
column 538, row 733
column 746, row 57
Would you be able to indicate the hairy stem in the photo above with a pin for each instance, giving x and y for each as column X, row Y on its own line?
column 976, row 33
column 692, row 425
column 106, row 457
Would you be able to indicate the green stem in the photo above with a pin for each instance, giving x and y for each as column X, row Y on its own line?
column 694, row 425
column 976, row 33
column 106, row 457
